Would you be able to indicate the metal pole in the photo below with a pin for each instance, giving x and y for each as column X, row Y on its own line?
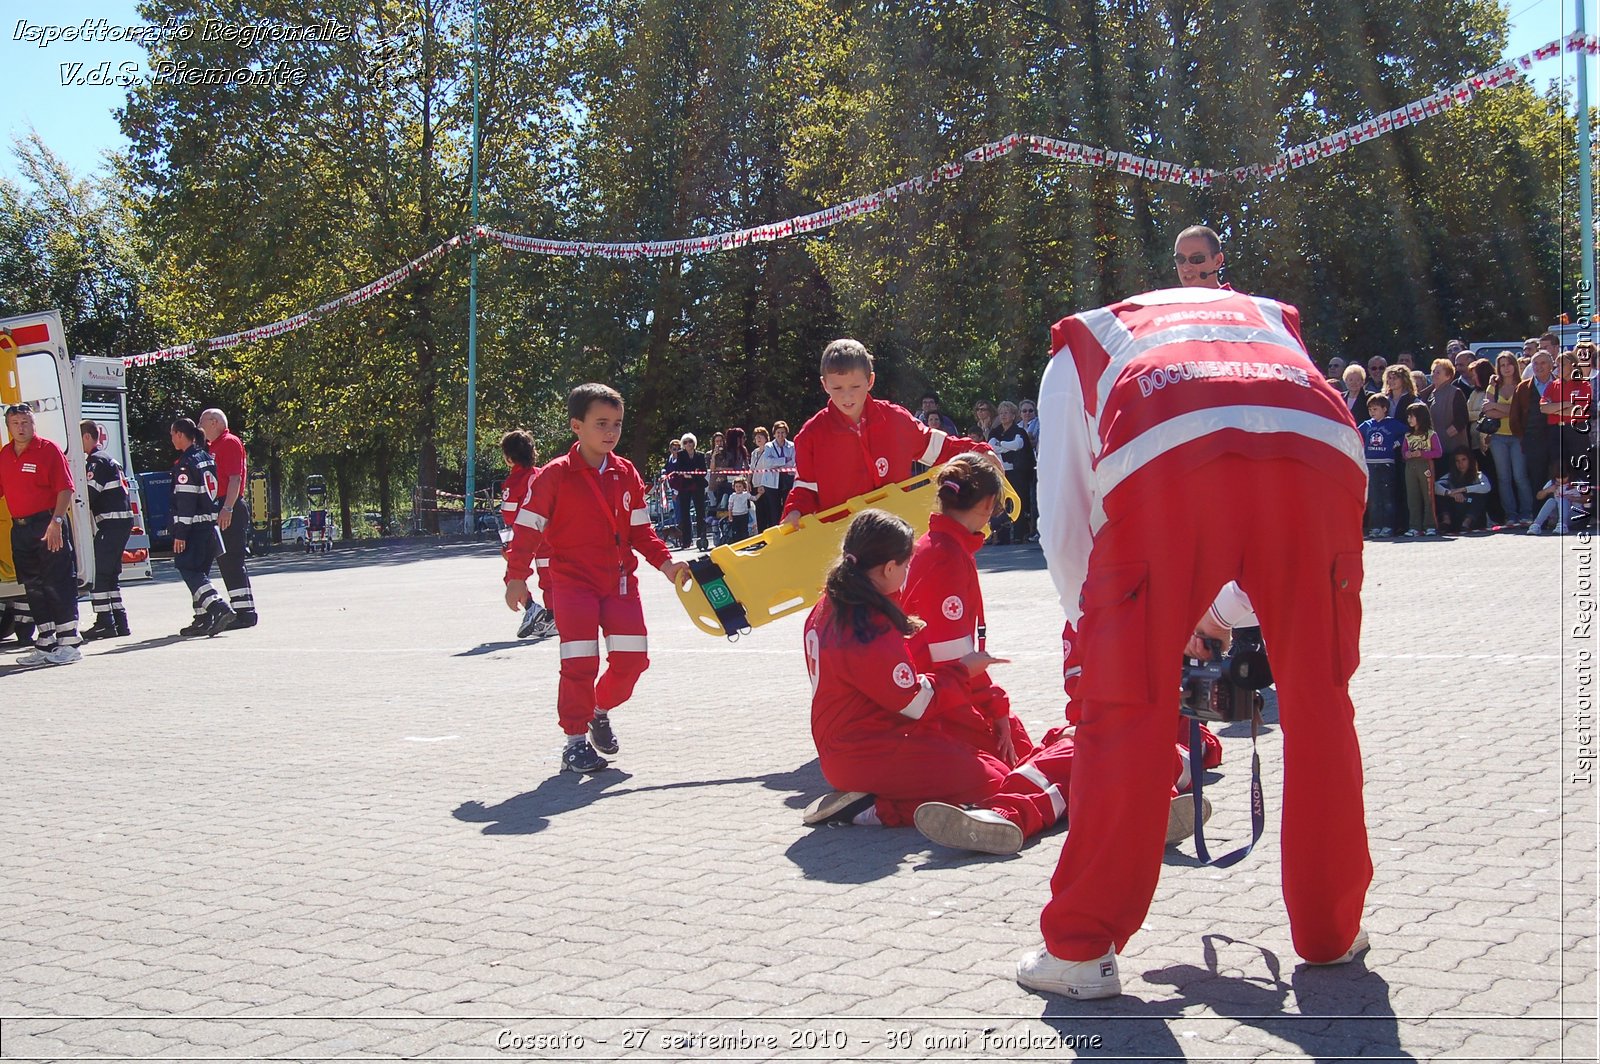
column 469, row 525
column 1585, row 178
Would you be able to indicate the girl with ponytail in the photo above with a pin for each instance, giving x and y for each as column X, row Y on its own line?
column 942, row 588
column 887, row 731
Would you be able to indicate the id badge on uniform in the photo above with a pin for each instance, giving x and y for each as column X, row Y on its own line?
column 506, row 535
column 622, row 585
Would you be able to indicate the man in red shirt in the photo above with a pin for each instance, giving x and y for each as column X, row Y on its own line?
column 37, row 488
column 233, row 520
column 1566, row 405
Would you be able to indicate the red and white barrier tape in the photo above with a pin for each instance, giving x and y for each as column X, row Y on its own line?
column 1299, row 155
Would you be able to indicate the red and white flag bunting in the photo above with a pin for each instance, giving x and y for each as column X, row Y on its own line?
column 1066, row 151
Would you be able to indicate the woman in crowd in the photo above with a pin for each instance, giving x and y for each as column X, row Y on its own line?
column 1505, row 443
column 982, row 419
column 1401, row 389
column 1015, row 451
column 764, row 484
column 1462, row 494
column 1355, row 392
column 1447, row 406
column 1479, row 373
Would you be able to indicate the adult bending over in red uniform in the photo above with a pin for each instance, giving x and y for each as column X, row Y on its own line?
column 1187, row 440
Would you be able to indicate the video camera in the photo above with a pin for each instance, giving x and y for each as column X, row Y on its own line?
column 1225, row 689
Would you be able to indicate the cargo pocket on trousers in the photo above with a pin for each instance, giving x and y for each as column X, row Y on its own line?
column 1115, row 636
column 1347, row 574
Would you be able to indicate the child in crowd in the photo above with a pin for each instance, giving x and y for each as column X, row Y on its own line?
column 587, row 510
column 1561, row 495
column 741, row 507
column 886, row 733
column 857, row 443
column 1419, row 448
column 1380, row 437
column 1464, row 493
column 517, row 448
column 942, row 590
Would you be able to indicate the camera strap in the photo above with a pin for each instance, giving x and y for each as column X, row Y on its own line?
column 1258, row 805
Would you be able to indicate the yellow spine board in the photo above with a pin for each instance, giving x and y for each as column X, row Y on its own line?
column 780, row 571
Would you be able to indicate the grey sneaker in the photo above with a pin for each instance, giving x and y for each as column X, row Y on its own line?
column 1180, row 817
column 64, row 655
column 983, row 830
column 530, row 617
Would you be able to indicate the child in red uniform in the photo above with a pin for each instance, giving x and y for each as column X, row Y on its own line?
column 517, row 447
column 887, row 735
column 587, row 511
column 942, row 591
column 857, row 443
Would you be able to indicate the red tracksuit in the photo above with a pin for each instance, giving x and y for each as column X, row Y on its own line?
column 835, row 461
column 1190, row 441
column 882, row 727
column 514, row 498
column 942, row 589
column 589, row 523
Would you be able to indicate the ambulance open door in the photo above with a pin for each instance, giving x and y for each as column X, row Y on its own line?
column 104, row 386
column 35, row 368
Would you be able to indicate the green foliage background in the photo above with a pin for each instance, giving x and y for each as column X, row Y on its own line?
column 642, row 119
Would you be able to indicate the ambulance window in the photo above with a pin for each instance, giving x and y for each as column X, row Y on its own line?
column 41, row 389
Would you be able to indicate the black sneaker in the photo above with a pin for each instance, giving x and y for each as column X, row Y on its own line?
column 601, row 735
column 243, row 619
column 218, row 619
column 103, row 628
column 119, row 619
column 580, row 757
column 837, row 807
column 199, row 626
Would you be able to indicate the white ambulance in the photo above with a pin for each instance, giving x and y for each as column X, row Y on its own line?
column 36, row 368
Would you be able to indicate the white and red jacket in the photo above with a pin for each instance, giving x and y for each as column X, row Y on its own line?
column 866, row 691
column 513, row 494
column 835, row 461
column 1144, row 390
column 588, row 522
column 942, row 589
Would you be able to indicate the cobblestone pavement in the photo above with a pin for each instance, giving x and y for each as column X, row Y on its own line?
column 342, row 835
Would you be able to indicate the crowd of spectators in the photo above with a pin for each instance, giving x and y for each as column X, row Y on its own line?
column 1475, row 445
column 733, row 490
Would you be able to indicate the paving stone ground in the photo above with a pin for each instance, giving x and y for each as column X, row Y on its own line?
column 342, row 835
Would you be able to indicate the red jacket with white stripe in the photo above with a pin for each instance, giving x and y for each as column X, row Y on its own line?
column 867, row 691
column 942, row 589
column 1146, row 390
column 513, row 494
column 588, row 522
column 835, row 461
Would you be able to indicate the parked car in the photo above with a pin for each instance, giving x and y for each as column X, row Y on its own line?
column 295, row 530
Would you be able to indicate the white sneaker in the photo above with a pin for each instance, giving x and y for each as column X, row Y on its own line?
column 1042, row 970
column 983, row 830
column 64, row 655
column 1180, row 817
column 36, row 657
column 1357, row 947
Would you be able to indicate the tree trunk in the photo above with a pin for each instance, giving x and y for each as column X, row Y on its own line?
column 385, row 502
column 341, row 476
